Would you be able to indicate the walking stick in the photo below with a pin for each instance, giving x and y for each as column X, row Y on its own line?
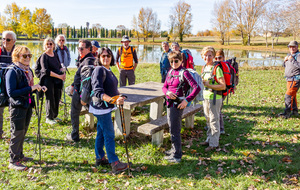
column 65, row 102
column 39, row 114
column 124, row 135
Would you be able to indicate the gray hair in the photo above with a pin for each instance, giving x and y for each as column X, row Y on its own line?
column 57, row 38
column 4, row 33
column 165, row 42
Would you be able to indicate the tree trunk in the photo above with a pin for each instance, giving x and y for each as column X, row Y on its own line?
column 266, row 39
column 181, row 37
column 248, row 43
column 277, row 39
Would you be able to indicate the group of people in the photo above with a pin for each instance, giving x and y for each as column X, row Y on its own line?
column 55, row 60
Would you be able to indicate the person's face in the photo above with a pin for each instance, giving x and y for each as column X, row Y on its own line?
column 219, row 58
column 83, row 51
column 208, row 57
column 165, row 47
column 175, row 63
column 175, row 48
column 61, row 41
column 105, row 58
column 24, row 58
column 8, row 41
column 95, row 49
column 125, row 44
column 293, row 49
column 49, row 45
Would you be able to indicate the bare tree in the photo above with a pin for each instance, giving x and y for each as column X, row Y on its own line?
column 145, row 19
column 182, row 18
column 155, row 27
column 173, row 32
column 135, row 27
column 239, row 17
column 292, row 17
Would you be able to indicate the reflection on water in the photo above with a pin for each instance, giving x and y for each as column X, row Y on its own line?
column 153, row 53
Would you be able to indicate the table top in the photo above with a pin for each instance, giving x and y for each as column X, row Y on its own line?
column 142, row 94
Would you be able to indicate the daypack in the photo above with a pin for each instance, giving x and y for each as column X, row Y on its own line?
column 197, row 78
column 38, row 67
column 189, row 58
column 235, row 65
column 3, row 94
column 86, row 92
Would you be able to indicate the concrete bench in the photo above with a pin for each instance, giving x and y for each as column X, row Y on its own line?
column 155, row 128
column 89, row 117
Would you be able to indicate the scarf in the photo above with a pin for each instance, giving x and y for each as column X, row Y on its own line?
column 28, row 73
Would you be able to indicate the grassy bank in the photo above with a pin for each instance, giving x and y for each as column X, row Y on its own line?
column 258, row 150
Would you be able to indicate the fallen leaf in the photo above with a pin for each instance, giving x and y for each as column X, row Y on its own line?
column 127, row 183
column 287, row 159
column 191, row 184
column 41, row 183
column 85, row 162
column 95, row 170
column 144, row 168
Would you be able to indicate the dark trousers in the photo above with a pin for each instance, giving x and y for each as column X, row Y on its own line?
column 53, row 95
column 19, row 122
column 290, row 96
column 174, row 116
column 75, row 113
column 126, row 75
column 1, row 120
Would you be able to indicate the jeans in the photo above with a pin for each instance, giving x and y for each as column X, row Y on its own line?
column 105, row 136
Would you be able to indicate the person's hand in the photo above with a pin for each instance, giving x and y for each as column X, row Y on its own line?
column 120, row 100
column 44, row 88
column 205, row 83
column 182, row 105
column 36, row 87
column 171, row 95
column 71, row 90
column 63, row 77
column 288, row 57
column 82, row 103
column 63, row 69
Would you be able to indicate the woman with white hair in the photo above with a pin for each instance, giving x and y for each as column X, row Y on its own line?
column 52, row 76
column 62, row 50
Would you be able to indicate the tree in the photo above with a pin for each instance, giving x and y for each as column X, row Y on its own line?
column 27, row 26
column 145, row 19
column 42, row 21
column 3, row 23
column 181, row 19
column 14, row 13
column 292, row 17
column 155, row 27
column 121, row 27
column 135, row 27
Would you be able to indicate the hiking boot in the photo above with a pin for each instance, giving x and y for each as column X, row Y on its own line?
column 204, row 143
column 57, row 119
column 50, row 121
column 284, row 115
column 295, row 114
column 118, row 167
column 169, row 152
column 210, row 148
column 26, row 159
column 69, row 138
column 172, row 159
column 102, row 161
column 17, row 166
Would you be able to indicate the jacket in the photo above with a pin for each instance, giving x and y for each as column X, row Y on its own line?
column 5, row 57
column 292, row 67
column 65, row 58
column 164, row 63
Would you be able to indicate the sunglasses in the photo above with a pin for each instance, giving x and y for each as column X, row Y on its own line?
column 61, row 40
column 6, row 39
column 26, row 55
column 174, row 61
column 80, row 48
column 50, row 44
column 103, row 56
column 218, row 57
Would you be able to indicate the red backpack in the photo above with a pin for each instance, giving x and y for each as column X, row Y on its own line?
column 189, row 58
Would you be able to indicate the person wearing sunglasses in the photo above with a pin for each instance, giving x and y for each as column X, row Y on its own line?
column 8, row 43
column 52, row 76
column 211, row 108
column 177, row 100
column 62, row 51
column 164, row 63
column 20, row 87
column 86, row 58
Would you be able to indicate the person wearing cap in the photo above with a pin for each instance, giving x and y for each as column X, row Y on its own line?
column 292, row 75
column 127, row 56
column 164, row 63
column 95, row 46
column 9, row 39
column 175, row 47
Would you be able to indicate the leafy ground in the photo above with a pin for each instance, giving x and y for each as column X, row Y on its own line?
column 258, row 151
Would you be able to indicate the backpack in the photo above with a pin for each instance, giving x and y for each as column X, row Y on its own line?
column 235, row 66
column 197, row 78
column 3, row 94
column 189, row 58
column 38, row 67
column 85, row 90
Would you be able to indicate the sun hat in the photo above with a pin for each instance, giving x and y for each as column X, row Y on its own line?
column 125, row 39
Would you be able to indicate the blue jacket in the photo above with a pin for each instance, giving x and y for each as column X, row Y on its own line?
column 67, row 57
column 164, row 63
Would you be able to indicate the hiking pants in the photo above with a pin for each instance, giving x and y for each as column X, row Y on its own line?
column 127, row 75
column 53, row 95
column 212, row 115
column 174, row 116
column 290, row 96
column 221, row 116
column 75, row 112
column 19, row 122
column 1, row 120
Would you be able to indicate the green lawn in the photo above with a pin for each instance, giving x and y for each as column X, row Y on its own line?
column 258, row 150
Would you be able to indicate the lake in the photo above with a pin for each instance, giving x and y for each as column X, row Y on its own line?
column 152, row 54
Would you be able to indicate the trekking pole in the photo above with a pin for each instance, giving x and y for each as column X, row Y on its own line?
column 39, row 129
column 39, row 114
column 124, row 135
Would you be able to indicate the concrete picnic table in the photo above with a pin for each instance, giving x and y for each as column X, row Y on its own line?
column 139, row 95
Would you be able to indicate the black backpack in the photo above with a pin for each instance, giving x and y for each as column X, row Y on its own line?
column 38, row 67
column 3, row 94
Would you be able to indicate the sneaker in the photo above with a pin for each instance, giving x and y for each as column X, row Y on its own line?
column 57, row 119
column 222, row 132
column 169, row 152
column 50, row 121
column 118, row 167
column 102, row 161
column 17, row 166
column 205, row 128
column 172, row 159
column 26, row 159
column 69, row 138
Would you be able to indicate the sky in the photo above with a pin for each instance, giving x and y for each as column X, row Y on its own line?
column 111, row 13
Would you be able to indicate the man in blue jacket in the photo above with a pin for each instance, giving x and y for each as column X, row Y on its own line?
column 164, row 61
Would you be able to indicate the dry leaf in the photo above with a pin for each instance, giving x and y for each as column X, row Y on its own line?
column 144, row 168
column 191, row 184
column 85, row 162
column 178, row 181
column 127, row 183
column 41, row 183
column 287, row 159
column 95, row 170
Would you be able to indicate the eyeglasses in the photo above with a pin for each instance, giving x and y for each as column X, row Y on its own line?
column 81, row 48
column 50, row 44
column 103, row 56
column 26, row 55
column 174, row 61
column 6, row 39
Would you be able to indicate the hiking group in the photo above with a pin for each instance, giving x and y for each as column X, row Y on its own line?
column 96, row 88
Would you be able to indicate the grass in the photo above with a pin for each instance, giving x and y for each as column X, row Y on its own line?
column 259, row 150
